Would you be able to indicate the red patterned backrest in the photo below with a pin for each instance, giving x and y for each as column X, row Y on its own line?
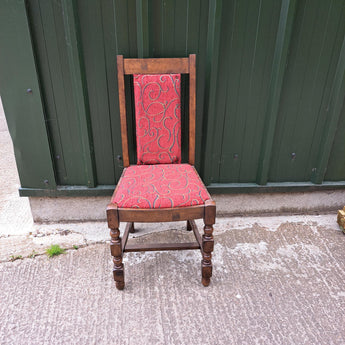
column 161, row 67
column 158, row 118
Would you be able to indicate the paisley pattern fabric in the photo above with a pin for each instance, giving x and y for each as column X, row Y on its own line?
column 158, row 118
column 160, row 186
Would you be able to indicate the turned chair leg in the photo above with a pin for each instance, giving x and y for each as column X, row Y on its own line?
column 116, row 252
column 208, row 242
column 206, row 262
column 189, row 226
column 116, row 245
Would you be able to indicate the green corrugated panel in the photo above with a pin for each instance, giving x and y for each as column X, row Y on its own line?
column 92, row 36
column 22, row 98
column 246, row 52
column 100, row 37
column 178, row 28
column 314, row 53
column 269, row 85
column 336, row 164
column 48, row 33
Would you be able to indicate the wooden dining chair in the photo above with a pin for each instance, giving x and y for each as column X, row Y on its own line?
column 159, row 188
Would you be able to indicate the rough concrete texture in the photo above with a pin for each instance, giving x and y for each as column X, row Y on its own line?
column 277, row 280
column 85, row 209
column 271, row 285
column 280, row 203
column 71, row 209
column 10, row 220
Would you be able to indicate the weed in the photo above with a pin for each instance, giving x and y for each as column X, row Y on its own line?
column 75, row 247
column 16, row 257
column 33, row 254
column 54, row 250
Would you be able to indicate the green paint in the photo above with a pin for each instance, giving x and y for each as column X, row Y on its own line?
column 24, row 110
column 278, row 70
column 333, row 109
column 76, row 67
column 212, row 57
column 142, row 13
column 336, row 166
column 214, row 188
column 273, row 187
column 303, row 121
column 270, row 82
column 66, row 191
column 95, row 28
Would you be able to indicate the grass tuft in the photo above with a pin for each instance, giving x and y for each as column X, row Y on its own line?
column 16, row 257
column 54, row 250
column 33, row 254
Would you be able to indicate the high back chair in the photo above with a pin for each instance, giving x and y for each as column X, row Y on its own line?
column 159, row 188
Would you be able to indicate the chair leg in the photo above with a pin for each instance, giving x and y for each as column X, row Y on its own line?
column 208, row 242
column 189, row 226
column 132, row 230
column 116, row 252
column 206, row 263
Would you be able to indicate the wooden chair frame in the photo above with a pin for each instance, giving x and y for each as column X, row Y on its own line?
column 115, row 214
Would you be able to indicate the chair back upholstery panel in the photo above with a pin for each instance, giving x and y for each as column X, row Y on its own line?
column 158, row 118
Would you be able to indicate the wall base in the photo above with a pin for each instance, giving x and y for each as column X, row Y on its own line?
column 79, row 209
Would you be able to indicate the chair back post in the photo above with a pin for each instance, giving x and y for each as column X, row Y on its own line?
column 122, row 106
column 192, row 108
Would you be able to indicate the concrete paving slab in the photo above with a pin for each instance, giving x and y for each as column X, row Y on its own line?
column 15, row 213
column 271, row 285
column 36, row 238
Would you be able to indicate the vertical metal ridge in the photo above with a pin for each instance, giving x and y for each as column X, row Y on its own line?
column 221, row 107
column 293, row 67
column 187, row 27
column 212, row 59
column 324, row 40
column 286, row 20
column 115, row 29
column 333, row 108
column 107, row 87
column 142, row 20
column 162, row 27
column 109, row 15
column 78, row 78
column 59, row 143
column 22, row 98
column 250, row 87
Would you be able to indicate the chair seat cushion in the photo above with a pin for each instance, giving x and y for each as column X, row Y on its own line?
column 160, row 186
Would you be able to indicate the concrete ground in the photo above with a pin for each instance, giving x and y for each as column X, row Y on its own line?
column 277, row 280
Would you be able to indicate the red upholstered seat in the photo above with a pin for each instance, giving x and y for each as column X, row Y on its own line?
column 158, row 118
column 160, row 186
